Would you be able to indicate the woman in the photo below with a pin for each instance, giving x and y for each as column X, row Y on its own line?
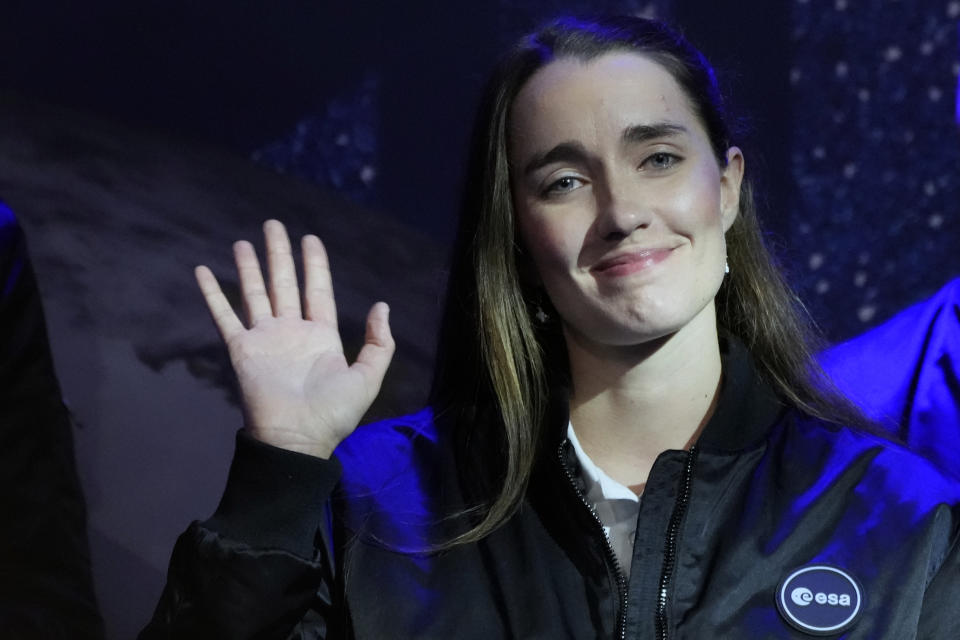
column 627, row 435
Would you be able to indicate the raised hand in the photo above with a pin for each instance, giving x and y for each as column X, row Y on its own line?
column 299, row 392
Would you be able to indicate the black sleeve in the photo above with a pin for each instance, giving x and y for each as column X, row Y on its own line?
column 46, row 588
column 262, row 565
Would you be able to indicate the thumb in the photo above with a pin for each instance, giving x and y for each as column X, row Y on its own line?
column 378, row 347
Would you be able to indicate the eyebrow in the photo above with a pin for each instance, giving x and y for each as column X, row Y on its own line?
column 571, row 151
column 647, row 132
column 563, row 152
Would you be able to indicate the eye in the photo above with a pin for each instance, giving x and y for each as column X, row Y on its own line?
column 661, row 160
column 563, row 185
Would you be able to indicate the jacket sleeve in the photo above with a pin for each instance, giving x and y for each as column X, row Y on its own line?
column 262, row 566
column 46, row 586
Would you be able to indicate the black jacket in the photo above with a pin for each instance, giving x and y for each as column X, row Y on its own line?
column 765, row 494
column 46, row 587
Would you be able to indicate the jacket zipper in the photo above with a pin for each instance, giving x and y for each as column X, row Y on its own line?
column 621, row 626
column 670, row 549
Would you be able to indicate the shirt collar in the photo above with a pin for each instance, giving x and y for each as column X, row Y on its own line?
column 599, row 486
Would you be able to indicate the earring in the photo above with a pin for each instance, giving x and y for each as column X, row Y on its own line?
column 726, row 266
column 541, row 315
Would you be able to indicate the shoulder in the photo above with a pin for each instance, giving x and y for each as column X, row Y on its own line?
column 902, row 375
column 11, row 245
column 873, row 466
column 859, row 497
column 863, row 362
column 8, row 221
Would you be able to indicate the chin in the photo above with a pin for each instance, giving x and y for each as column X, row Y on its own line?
column 618, row 334
column 646, row 336
column 644, row 325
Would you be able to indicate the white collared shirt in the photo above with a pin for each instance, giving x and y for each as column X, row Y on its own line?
column 617, row 506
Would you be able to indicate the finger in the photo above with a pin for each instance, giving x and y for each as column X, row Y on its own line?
column 378, row 347
column 317, row 283
column 252, row 289
column 224, row 317
column 284, row 293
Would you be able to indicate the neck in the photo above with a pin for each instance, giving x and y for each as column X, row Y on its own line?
column 629, row 404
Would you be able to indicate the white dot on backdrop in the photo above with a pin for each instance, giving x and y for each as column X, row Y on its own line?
column 935, row 221
column 908, row 136
column 953, row 9
column 342, row 140
column 841, row 69
column 893, row 53
column 866, row 312
column 805, row 228
column 822, row 286
column 368, row 174
column 935, row 93
column 815, row 261
column 955, row 68
column 849, row 170
column 840, row 5
column 649, row 12
column 795, row 75
column 819, row 153
column 860, row 278
column 929, row 187
column 863, row 95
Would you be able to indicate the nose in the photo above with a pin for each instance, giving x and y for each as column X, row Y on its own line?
column 621, row 208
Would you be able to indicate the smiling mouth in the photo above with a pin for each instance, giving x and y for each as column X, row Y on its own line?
column 631, row 262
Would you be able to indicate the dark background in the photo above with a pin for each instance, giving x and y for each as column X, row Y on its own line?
column 139, row 138
column 848, row 109
column 401, row 79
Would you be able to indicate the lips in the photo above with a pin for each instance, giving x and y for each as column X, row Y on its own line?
column 629, row 262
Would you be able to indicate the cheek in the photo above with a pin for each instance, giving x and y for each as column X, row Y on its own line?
column 698, row 205
column 552, row 246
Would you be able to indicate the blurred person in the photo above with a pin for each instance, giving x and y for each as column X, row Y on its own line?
column 46, row 588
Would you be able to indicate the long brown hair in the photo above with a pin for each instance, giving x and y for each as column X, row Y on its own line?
column 495, row 367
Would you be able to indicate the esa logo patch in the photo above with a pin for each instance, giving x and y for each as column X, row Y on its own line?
column 820, row 600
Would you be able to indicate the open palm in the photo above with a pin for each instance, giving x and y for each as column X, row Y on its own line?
column 298, row 390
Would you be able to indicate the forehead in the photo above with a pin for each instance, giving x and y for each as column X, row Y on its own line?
column 570, row 98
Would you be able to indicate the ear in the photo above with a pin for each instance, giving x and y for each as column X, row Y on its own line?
column 730, row 179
